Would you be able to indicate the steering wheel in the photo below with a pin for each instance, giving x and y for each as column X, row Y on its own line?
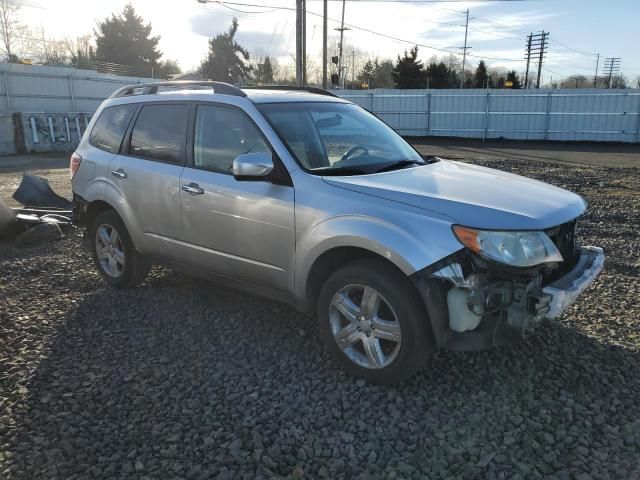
column 353, row 150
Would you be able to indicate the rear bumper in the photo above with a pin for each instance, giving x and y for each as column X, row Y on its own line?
column 566, row 290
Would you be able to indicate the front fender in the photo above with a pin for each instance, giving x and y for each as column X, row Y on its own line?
column 400, row 246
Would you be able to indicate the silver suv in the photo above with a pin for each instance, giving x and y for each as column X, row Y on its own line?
column 307, row 198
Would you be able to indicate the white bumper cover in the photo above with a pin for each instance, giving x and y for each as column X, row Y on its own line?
column 566, row 290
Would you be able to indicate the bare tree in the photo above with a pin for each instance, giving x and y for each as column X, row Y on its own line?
column 81, row 51
column 353, row 59
column 50, row 51
column 11, row 29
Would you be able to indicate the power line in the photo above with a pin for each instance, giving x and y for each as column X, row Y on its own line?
column 510, row 27
column 373, row 32
column 409, row 42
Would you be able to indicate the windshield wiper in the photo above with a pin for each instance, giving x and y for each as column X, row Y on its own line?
column 338, row 171
column 400, row 164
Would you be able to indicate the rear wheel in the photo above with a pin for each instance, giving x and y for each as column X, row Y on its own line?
column 114, row 253
column 373, row 321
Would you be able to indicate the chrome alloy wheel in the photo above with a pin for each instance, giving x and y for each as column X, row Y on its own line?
column 110, row 250
column 364, row 326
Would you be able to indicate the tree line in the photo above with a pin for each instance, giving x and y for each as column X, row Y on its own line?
column 125, row 44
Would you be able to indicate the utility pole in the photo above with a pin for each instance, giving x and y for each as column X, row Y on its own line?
column 612, row 65
column 464, row 49
column 353, row 67
column 542, row 47
column 595, row 77
column 299, row 42
column 528, row 57
column 537, row 44
column 304, row 42
column 324, row 46
column 341, row 29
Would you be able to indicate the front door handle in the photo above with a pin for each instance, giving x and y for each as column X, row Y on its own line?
column 193, row 188
column 120, row 173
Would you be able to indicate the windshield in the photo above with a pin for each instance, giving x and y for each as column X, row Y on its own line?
column 338, row 138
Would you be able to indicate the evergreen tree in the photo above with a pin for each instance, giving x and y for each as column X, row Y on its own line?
column 125, row 39
column 383, row 74
column 264, row 72
column 512, row 77
column 409, row 71
column 367, row 74
column 480, row 77
column 440, row 76
column 226, row 59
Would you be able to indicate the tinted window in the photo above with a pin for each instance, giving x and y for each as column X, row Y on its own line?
column 159, row 132
column 221, row 134
column 109, row 129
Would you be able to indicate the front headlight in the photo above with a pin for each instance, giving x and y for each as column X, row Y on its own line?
column 519, row 249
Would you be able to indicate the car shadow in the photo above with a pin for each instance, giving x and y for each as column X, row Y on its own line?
column 182, row 378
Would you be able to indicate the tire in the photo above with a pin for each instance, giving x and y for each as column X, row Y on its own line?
column 114, row 253
column 371, row 345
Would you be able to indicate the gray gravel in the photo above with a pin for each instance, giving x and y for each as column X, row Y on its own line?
column 184, row 379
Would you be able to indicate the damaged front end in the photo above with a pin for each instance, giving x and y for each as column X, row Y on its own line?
column 476, row 303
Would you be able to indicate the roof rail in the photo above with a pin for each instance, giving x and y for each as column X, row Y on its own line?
column 152, row 88
column 316, row 90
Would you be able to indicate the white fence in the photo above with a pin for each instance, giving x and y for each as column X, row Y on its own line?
column 566, row 115
column 36, row 88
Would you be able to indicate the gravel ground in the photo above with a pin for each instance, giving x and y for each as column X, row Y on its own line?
column 184, row 379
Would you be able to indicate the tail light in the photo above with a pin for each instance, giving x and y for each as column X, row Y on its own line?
column 74, row 164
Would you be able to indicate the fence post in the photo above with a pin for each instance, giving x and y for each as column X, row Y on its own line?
column 6, row 91
column 547, row 120
column 637, row 123
column 72, row 95
column 370, row 102
column 428, row 114
column 486, row 118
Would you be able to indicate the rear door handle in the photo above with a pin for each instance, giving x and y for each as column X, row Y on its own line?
column 193, row 188
column 120, row 173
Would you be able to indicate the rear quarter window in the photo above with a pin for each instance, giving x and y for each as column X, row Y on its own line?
column 110, row 127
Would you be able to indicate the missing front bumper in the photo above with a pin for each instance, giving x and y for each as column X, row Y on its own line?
column 567, row 289
column 509, row 303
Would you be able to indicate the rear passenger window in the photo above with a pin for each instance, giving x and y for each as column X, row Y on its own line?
column 109, row 129
column 221, row 134
column 159, row 133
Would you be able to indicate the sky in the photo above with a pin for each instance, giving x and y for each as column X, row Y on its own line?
column 579, row 29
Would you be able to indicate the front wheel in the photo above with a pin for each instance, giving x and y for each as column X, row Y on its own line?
column 373, row 321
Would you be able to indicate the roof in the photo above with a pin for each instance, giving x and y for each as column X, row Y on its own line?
column 285, row 96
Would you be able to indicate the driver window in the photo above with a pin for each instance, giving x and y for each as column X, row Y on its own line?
column 221, row 134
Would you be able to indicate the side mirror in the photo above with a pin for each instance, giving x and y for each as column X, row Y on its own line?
column 252, row 166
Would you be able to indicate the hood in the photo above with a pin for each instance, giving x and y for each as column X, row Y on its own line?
column 471, row 195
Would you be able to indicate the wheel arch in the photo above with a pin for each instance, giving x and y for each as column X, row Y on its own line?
column 94, row 209
column 351, row 237
column 329, row 261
